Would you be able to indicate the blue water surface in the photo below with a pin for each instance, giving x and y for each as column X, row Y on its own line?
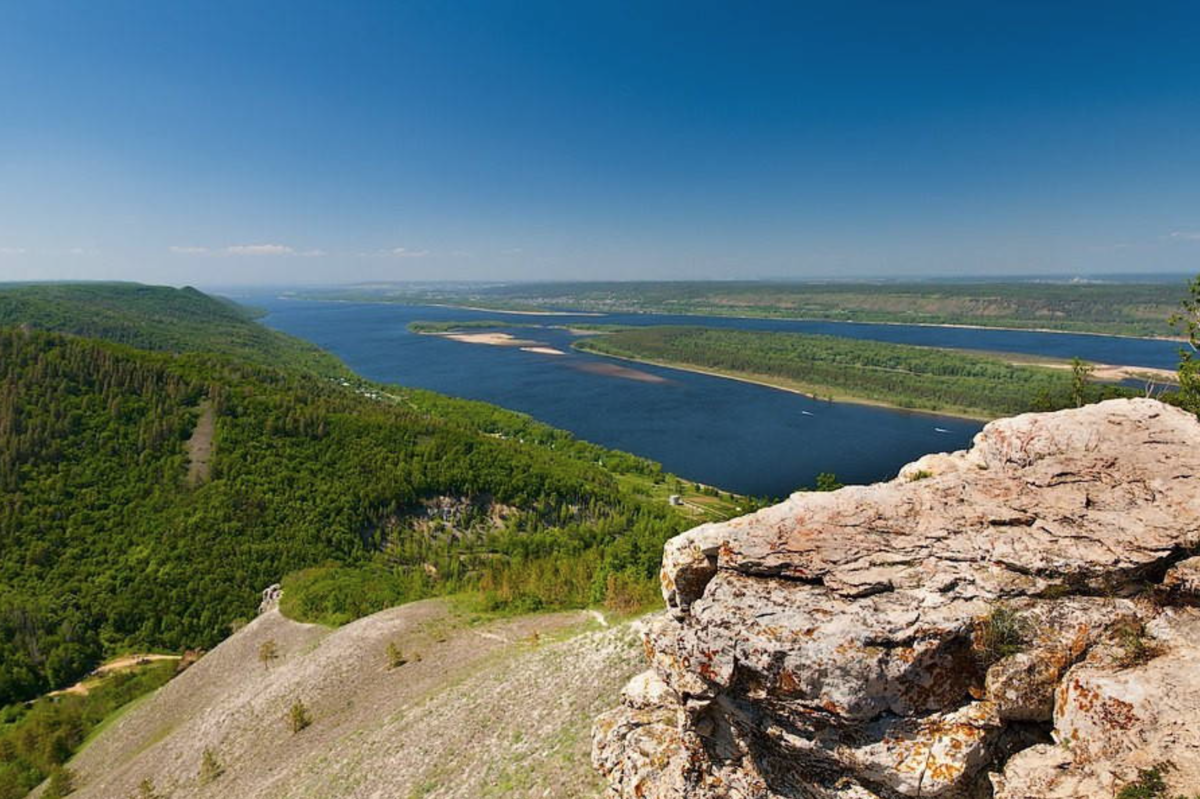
column 742, row 437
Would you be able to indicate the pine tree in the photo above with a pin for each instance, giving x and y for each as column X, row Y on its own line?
column 298, row 716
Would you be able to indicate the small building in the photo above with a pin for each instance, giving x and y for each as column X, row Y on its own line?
column 675, row 499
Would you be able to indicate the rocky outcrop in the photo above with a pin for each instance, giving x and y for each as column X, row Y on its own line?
column 1014, row 620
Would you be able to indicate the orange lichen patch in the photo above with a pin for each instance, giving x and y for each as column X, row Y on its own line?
column 944, row 771
column 706, row 669
column 1107, row 711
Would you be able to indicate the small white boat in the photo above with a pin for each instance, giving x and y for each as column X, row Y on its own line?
column 940, row 430
column 808, row 413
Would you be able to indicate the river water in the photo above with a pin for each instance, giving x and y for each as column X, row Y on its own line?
column 742, row 437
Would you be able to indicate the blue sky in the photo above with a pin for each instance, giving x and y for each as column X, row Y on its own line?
column 242, row 141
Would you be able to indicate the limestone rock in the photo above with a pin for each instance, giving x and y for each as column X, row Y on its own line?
column 1183, row 579
column 849, row 644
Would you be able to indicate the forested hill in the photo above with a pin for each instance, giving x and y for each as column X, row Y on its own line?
column 371, row 495
column 157, row 318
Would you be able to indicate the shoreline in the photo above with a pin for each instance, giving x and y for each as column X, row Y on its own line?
column 793, row 390
column 957, row 325
column 953, row 325
column 501, row 311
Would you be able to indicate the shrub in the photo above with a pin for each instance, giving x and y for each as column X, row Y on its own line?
column 827, row 481
column 145, row 790
column 268, row 652
column 395, row 657
column 210, row 767
column 1136, row 647
column 298, row 717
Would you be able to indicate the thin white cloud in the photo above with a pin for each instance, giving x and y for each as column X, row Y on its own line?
column 404, row 252
column 185, row 250
column 259, row 249
column 312, row 253
column 1186, row 235
column 13, row 250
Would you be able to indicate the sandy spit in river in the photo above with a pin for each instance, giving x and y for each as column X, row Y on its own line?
column 492, row 339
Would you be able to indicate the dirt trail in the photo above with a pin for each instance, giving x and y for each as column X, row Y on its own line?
column 120, row 664
column 200, row 446
column 478, row 710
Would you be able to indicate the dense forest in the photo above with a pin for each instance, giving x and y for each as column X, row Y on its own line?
column 1133, row 308
column 158, row 318
column 900, row 375
column 104, row 547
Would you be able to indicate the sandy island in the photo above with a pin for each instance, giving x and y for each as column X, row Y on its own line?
column 501, row 340
column 491, row 339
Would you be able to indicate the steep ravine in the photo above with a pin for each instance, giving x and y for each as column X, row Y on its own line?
column 1015, row 620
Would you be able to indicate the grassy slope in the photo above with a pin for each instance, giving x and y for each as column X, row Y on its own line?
column 895, row 375
column 490, row 708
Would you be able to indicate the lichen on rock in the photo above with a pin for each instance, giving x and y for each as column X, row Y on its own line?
column 833, row 645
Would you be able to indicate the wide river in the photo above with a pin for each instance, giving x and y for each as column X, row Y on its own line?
column 738, row 436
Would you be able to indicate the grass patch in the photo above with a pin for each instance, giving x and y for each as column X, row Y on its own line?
column 1151, row 784
column 1001, row 633
column 1134, row 644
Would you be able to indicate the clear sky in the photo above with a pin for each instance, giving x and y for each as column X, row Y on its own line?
column 242, row 141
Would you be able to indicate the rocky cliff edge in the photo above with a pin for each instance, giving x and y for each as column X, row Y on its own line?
column 1015, row 620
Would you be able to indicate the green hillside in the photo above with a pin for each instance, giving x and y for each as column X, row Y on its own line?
column 371, row 495
column 158, row 318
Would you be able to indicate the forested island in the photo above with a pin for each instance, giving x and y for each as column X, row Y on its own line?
column 359, row 496
column 834, row 368
column 1135, row 308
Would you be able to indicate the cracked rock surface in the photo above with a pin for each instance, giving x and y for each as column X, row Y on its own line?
column 1014, row 620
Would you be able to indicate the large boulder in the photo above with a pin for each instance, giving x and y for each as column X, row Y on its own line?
column 1001, row 605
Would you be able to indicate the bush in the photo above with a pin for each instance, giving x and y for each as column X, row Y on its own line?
column 210, row 767
column 298, row 717
column 395, row 657
column 268, row 651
